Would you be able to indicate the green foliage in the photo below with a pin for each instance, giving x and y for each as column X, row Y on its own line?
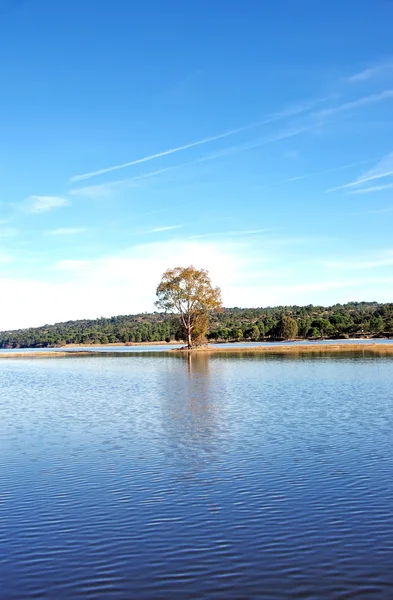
column 304, row 326
column 287, row 328
column 233, row 324
column 255, row 333
column 324, row 326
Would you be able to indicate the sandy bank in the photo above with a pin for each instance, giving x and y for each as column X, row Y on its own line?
column 122, row 344
column 292, row 349
column 49, row 354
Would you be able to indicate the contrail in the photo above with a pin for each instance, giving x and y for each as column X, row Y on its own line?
column 372, row 99
column 316, row 173
column 160, row 154
column 360, row 181
column 291, row 111
column 373, row 188
column 222, row 153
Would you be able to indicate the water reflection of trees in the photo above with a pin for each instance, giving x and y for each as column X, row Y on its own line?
column 189, row 392
column 192, row 409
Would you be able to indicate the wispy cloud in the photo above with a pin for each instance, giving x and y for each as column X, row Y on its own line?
column 372, row 211
column 168, row 228
column 316, row 173
column 276, row 116
column 249, row 146
column 257, row 143
column 101, row 191
column 105, row 189
column 373, row 188
column 280, row 135
column 384, row 168
column 371, row 72
column 358, row 265
column 158, row 154
column 234, row 233
column 67, row 231
column 40, row 204
column 354, row 104
column 360, row 181
column 151, row 212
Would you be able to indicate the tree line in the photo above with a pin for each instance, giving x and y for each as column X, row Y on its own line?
column 354, row 319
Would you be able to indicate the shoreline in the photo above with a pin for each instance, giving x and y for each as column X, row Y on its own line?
column 176, row 343
column 123, row 344
column 281, row 349
column 291, row 348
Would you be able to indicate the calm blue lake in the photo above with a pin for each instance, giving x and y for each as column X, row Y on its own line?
column 219, row 477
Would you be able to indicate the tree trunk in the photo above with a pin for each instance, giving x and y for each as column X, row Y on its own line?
column 188, row 329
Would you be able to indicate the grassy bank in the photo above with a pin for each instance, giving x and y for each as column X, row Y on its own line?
column 292, row 349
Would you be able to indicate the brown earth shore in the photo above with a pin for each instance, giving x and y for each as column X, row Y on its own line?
column 375, row 348
column 49, row 354
column 292, row 348
column 122, row 344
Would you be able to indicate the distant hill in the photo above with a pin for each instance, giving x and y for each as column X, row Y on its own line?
column 339, row 321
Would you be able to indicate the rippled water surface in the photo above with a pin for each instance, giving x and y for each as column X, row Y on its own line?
column 227, row 477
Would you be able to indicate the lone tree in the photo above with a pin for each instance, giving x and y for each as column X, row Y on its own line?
column 189, row 293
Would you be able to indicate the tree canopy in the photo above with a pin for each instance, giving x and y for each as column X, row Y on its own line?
column 287, row 327
column 189, row 293
column 354, row 319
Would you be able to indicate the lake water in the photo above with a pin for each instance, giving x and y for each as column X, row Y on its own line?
column 219, row 477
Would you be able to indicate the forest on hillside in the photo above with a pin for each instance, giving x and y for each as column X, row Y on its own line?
column 354, row 319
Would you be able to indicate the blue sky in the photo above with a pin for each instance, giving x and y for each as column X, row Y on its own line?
column 254, row 139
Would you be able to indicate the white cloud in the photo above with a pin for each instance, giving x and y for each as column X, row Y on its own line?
column 67, row 231
column 249, row 271
column 118, row 284
column 168, row 228
column 40, row 204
